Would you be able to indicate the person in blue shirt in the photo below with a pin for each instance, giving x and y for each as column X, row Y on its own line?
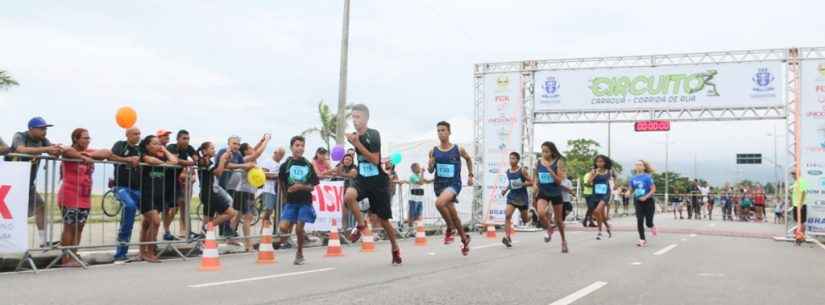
column 298, row 177
column 643, row 189
column 550, row 172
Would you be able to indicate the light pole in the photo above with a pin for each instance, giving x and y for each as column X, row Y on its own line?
column 775, row 161
column 667, row 170
column 342, row 81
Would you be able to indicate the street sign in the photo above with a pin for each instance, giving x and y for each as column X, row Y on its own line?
column 652, row 125
column 748, row 158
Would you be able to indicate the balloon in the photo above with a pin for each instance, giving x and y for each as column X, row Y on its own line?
column 126, row 117
column 395, row 158
column 256, row 177
column 338, row 153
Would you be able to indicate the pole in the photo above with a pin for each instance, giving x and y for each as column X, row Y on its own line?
column 608, row 137
column 667, row 170
column 775, row 163
column 342, row 81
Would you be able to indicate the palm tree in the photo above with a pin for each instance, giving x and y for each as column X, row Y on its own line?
column 329, row 123
column 6, row 81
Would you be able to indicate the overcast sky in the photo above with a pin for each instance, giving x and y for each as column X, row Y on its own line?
column 219, row 68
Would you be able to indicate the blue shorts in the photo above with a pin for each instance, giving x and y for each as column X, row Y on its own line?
column 295, row 212
column 269, row 200
column 416, row 207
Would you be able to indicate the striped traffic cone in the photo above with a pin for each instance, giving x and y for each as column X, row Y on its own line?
column 491, row 231
column 367, row 241
column 420, row 234
column 209, row 259
column 334, row 244
column 266, row 254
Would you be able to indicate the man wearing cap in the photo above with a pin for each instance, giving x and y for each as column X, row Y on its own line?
column 34, row 142
column 171, row 190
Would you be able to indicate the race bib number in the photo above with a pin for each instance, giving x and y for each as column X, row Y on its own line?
column 600, row 189
column 445, row 170
column 367, row 169
column 298, row 173
column 516, row 184
column 545, row 178
column 640, row 192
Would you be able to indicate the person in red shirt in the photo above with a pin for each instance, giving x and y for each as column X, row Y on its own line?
column 759, row 203
column 74, row 196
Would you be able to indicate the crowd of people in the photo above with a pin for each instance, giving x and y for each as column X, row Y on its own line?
column 156, row 177
column 736, row 203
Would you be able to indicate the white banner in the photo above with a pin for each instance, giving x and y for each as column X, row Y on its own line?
column 14, row 192
column 707, row 85
column 812, row 142
column 327, row 199
column 503, row 128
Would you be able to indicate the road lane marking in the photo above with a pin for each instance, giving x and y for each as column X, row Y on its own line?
column 491, row 245
column 431, row 253
column 274, row 276
column 711, row 274
column 712, row 225
column 636, row 263
column 579, row 294
column 684, row 239
column 692, row 235
column 665, row 249
column 818, row 243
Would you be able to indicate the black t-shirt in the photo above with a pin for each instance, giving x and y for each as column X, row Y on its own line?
column 153, row 180
column 294, row 171
column 206, row 177
column 182, row 154
column 125, row 175
column 371, row 175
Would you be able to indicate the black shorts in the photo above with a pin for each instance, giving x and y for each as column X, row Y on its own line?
column 804, row 213
column 217, row 201
column 568, row 207
column 553, row 199
column 149, row 202
column 522, row 208
column 242, row 201
column 379, row 197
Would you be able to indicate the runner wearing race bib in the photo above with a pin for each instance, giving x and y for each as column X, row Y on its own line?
column 600, row 179
column 516, row 192
column 445, row 163
column 643, row 189
column 550, row 172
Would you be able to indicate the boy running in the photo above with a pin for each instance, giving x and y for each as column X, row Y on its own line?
column 518, row 181
column 372, row 182
column 445, row 162
column 298, row 177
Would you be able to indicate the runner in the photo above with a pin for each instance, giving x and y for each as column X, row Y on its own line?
column 799, row 190
column 416, row 202
column 216, row 202
column 518, row 181
column 600, row 177
column 269, row 196
column 184, row 179
column 126, row 187
column 550, row 170
column 235, row 162
column 244, row 195
column 445, row 162
column 153, row 192
column 298, row 177
column 371, row 182
column 643, row 190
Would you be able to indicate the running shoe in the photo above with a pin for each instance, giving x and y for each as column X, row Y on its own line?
column 507, row 242
column 299, row 260
column 448, row 237
column 653, row 231
column 609, row 234
column 564, row 248
column 465, row 249
column 641, row 243
column 355, row 235
column 396, row 257
column 547, row 237
column 599, row 236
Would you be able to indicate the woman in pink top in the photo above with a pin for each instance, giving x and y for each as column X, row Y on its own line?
column 321, row 163
column 74, row 196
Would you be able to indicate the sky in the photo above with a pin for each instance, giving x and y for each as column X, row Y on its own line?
column 218, row 68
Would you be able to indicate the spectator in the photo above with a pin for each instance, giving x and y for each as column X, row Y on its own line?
column 389, row 168
column 170, row 189
column 416, row 202
column 270, row 192
column 4, row 148
column 244, row 195
column 127, row 187
column 321, row 163
column 235, row 162
column 184, row 178
column 348, row 171
column 153, row 195
column 74, row 196
column 759, row 198
column 34, row 142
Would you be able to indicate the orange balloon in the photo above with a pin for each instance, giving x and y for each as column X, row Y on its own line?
column 126, row 117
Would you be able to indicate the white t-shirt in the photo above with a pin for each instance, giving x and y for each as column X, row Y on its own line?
column 565, row 195
column 273, row 168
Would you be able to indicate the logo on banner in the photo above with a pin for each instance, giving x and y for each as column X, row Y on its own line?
column 550, row 90
column 821, row 69
column 763, row 80
column 5, row 213
column 814, row 172
column 501, row 119
column 502, row 102
column 503, row 83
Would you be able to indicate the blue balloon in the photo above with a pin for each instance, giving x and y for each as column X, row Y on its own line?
column 395, row 158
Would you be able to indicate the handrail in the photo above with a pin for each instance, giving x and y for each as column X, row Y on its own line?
column 47, row 157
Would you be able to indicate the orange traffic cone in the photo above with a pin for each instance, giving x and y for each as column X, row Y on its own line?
column 209, row 259
column 334, row 244
column 420, row 234
column 367, row 241
column 491, row 231
column 266, row 254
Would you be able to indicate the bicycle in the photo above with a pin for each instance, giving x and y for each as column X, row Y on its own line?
column 109, row 203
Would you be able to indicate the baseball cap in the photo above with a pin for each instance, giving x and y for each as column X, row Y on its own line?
column 38, row 122
column 162, row 132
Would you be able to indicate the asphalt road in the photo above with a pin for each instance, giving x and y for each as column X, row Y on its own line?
column 674, row 269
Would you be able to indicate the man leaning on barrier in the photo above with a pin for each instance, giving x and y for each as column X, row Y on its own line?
column 127, row 187
column 34, row 142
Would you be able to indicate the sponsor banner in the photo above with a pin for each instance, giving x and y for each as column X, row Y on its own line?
column 503, row 128
column 328, row 200
column 14, row 192
column 706, row 85
column 812, row 141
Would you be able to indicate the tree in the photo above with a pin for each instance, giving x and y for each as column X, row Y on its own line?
column 6, row 81
column 579, row 157
column 329, row 123
column 677, row 184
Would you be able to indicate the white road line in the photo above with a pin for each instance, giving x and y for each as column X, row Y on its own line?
column 711, row 274
column 579, row 294
column 491, row 245
column 712, row 225
column 665, row 249
column 684, row 239
column 818, row 243
column 692, row 235
column 636, row 263
column 259, row 278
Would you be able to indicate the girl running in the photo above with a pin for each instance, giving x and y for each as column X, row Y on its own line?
column 518, row 181
column 550, row 171
column 152, row 192
column 643, row 189
column 216, row 202
column 244, row 200
column 600, row 177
